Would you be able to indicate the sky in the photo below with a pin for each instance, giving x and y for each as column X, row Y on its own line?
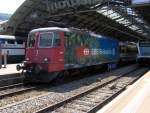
column 9, row 6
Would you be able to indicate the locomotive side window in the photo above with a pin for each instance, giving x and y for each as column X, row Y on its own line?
column 46, row 39
column 31, row 40
column 56, row 42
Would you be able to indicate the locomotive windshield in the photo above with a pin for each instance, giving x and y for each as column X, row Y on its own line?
column 46, row 39
column 49, row 39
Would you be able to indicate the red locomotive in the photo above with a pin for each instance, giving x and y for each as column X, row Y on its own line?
column 54, row 50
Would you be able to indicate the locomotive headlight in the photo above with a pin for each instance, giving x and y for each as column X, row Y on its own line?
column 27, row 59
column 45, row 59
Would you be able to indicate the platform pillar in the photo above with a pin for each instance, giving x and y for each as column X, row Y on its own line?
column 5, row 60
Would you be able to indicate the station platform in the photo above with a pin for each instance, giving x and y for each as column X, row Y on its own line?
column 9, row 70
column 136, row 99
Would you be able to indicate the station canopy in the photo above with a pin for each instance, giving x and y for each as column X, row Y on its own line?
column 112, row 18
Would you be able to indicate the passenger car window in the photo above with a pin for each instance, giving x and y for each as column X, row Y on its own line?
column 11, row 41
column 19, row 42
column 31, row 40
column 46, row 39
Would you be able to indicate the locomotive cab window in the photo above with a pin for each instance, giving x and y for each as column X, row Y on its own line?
column 46, row 39
column 31, row 40
column 56, row 40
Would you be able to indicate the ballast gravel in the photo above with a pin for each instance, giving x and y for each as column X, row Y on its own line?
column 60, row 93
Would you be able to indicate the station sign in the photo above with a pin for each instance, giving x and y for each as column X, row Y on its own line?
column 140, row 1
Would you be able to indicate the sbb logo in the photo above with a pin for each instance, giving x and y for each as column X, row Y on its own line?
column 86, row 52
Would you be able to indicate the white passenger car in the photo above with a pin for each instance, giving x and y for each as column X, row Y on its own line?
column 13, row 46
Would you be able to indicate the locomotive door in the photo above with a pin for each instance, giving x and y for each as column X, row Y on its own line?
column 58, row 52
column 31, row 48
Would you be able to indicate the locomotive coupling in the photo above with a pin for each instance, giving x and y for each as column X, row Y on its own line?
column 18, row 67
column 21, row 67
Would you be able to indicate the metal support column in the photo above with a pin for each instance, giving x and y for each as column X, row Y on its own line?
column 5, row 60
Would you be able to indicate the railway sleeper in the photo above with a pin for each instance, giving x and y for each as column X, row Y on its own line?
column 78, row 107
column 85, row 102
column 69, row 110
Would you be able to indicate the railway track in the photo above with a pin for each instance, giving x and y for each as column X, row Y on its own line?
column 20, row 89
column 93, row 99
column 15, row 87
column 12, row 86
column 35, row 101
column 10, row 82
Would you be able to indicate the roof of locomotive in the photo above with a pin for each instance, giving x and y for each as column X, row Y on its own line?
column 66, row 30
column 51, row 28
